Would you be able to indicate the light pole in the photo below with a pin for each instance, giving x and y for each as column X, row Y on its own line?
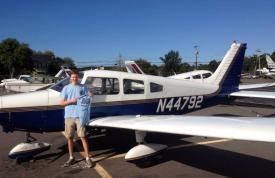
column 196, row 47
column 258, row 51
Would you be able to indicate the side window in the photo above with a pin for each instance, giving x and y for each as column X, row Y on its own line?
column 102, row 86
column 133, row 86
column 197, row 76
column 154, row 87
column 206, row 75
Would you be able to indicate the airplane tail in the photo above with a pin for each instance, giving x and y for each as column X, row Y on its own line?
column 227, row 76
column 270, row 62
column 132, row 67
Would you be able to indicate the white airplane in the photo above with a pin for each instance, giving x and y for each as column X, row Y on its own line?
column 27, row 83
column 270, row 70
column 196, row 75
column 265, row 72
column 270, row 63
column 156, row 105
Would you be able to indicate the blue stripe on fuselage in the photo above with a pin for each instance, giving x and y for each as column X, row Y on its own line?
column 53, row 120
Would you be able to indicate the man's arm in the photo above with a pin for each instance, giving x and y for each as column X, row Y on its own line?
column 64, row 96
column 64, row 102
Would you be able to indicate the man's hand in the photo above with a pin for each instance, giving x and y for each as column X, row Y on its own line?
column 72, row 101
column 67, row 102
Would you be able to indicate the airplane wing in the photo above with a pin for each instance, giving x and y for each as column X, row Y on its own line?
column 241, row 128
column 254, row 94
column 253, row 86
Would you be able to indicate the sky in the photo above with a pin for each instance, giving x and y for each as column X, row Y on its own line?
column 98, row 31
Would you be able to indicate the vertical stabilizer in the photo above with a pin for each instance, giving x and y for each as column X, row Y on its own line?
column 227, row 75
column 270, row 62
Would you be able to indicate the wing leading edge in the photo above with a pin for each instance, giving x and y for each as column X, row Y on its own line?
column 240, row 128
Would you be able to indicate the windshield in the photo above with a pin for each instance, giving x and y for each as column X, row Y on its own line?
column 60, row 85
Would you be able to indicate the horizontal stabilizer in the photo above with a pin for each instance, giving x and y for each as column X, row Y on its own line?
column 241, row 128
column 253, row 86
column 254, row 94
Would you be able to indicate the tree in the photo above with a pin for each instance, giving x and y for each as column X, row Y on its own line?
column 53, row 67
column 49, row 53
column 213, row 65
column 15, row 57
column 248, row 65
column 273, row 56
column 154, row 70
column 69, row 62
column 185, row 67
column 147, row 67
column 172, row 63
column 143, row 64
column 203, row 67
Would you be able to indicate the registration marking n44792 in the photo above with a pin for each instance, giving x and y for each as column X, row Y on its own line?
column 179, row 103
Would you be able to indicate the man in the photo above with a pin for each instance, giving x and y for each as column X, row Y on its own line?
column 70, row 95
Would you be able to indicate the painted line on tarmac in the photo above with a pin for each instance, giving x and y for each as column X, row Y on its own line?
column 173, row 147
column 101, row 171
column 199, row 143
column 118, row 156
column 98, row 168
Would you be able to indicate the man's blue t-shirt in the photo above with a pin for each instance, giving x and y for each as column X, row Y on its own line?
column 71, row 91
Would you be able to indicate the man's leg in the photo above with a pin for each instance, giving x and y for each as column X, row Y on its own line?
column 82, row 134
column 69, row 133
column 71, row 147
column 85, row 144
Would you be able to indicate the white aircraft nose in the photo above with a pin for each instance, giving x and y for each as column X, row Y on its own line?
column 29, row 99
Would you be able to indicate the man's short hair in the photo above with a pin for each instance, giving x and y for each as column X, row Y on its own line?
column 73, row 72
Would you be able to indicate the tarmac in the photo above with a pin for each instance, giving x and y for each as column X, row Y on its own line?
column 186, row 156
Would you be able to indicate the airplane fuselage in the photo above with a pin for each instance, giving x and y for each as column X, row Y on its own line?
column 116, row 93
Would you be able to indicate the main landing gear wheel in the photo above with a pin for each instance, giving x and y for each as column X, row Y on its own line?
column 26, row 150
column 144, row 153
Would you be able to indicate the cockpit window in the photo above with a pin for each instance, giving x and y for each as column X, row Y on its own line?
column 102, row 86
column 154, row 87
column 197, row 76
column 206, row 75
column 133, row 86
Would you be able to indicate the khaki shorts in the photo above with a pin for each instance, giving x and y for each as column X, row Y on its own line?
column 72, row 125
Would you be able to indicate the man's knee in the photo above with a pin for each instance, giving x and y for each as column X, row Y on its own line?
column 84, row 138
